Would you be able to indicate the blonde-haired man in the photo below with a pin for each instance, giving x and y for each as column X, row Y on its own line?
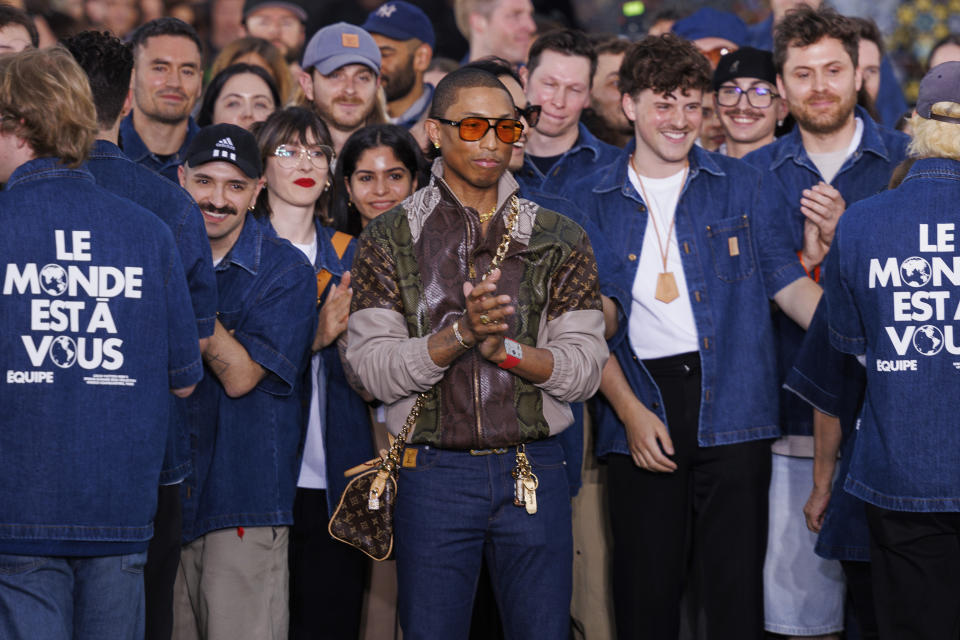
column 503, row 28
column 892, row 299
column 95, row 325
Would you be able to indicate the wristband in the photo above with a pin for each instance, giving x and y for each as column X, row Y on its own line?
column 459, row 336
column 514, row 352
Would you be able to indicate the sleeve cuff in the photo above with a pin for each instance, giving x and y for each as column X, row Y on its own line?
column 284, row 372
column 187, row 375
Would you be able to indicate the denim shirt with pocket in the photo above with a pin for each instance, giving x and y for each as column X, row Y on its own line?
column 734, row 259
column 587, row 154
column 893, row 289
column 247, row 451
column 91, row 344
column 787, row 171
column 118, row 174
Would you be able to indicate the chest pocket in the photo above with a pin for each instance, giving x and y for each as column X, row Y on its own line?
column 731, row 245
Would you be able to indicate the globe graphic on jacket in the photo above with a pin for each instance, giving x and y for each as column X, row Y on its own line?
column 928, row 340
column 63, row 351
column 53, row 279
column 915, row 271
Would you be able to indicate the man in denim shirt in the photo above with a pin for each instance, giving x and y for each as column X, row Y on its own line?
column 238, row 500
column 96, row 327
column 167, row 82
column 108, row 63
column 892, row 297
column 560, row 149
column 835, row 156
column 690, row 395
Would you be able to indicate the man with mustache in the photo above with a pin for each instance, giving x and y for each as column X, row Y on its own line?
column 835, row 155
column 689, row 394
column 746, row 99
column 238, row 499
column 340, row 78
column 167, row 81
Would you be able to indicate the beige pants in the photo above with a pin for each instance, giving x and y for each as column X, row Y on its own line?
column 232, row 588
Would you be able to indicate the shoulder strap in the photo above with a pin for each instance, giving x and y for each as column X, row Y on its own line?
column 340, row 241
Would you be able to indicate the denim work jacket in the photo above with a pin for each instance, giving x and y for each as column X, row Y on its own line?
column 787, row 171
column 247, row 452
column 136, row 150
column 588, row 154
column 834, row 382
column 116, row 173
column 728, row 293
column 893, row 296
column 97, row 327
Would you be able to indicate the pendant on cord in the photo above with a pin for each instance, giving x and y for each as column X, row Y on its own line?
column 666, row 287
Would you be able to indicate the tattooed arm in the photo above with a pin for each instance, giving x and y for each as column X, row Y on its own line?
column 231, row 363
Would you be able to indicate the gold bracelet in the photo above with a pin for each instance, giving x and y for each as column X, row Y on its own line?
column 459, row 336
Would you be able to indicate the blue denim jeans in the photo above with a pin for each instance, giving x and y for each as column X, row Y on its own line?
column 62, row 598
column 453, row 509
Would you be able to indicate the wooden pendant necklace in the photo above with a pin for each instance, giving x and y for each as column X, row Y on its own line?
column 666, row 290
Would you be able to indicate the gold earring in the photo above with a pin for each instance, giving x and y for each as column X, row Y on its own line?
column 436, row 145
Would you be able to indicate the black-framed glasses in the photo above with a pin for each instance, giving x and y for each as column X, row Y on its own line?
column 531, row 114
column 288, row 155
column 758, row 97
column 473, row 128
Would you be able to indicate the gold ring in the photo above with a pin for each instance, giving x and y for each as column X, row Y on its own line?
column 484, row 318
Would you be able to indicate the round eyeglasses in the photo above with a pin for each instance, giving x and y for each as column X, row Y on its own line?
column 471, row 129
column 757, row 97
column 288, row 155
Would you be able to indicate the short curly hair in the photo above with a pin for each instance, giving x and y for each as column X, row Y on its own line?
column 804, row 26
column 664, row 64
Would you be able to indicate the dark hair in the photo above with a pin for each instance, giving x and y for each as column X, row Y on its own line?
column 345, row 216
column 867, row 29
column 664, row 64
column 804, row 26
column 215, row 88
column 953, row 38
column 496, row 66
column 569, row 42
column 108, row 63
column 463, row 78
column 607, row 43
column 164, row 27
column 12, row 16
column 286, row 125
column 266, row 50
column 667, row 14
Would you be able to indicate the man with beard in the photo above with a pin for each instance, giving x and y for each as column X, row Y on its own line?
column 559, row 148
column 746, row 100
column 604, row 117
column 340, row 77
column 167, row 81
column 238, row 500
column 280, row 23
column 406, row 40
column 834, row 156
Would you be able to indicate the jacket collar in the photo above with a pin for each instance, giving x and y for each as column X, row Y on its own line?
column 507, row 186
column 106, row 149
column 246, row 251
column 934, row 168
column 40, row 168
column 614, row 176
column 136, row 150
column 790, row 146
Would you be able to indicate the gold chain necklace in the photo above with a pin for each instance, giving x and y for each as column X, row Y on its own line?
column 486, row 216
column 666, row 290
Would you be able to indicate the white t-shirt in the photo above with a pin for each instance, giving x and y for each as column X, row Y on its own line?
column 313, row 469
column 658, row 329
column 828, row 164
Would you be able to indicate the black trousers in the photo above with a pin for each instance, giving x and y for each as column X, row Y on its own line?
column 705, row 522
column 326, row 577
column 916, row 573
column 860, row 594
column 163, row 558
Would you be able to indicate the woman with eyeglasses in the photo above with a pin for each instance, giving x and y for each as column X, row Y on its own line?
column 327, row 577
column 378, row 167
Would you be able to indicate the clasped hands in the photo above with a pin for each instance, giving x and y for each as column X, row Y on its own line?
column 484, row 319
column 822, row 205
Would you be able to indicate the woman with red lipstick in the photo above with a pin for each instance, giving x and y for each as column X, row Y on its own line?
column 327, row 578
column 378, row 167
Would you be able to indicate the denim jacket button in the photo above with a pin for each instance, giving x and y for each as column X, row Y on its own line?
column 641, row 208
column 632, row 257
column 655, row 405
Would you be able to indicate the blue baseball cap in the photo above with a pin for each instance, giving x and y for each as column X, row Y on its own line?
column 338, row 45
column 711, row 23
column 399, row 20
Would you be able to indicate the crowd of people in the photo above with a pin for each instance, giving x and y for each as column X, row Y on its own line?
column 720, row 259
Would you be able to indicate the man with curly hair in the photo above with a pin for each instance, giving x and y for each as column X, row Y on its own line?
column 690, row 394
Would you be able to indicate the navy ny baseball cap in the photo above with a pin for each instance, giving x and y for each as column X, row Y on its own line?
column 399, row 20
